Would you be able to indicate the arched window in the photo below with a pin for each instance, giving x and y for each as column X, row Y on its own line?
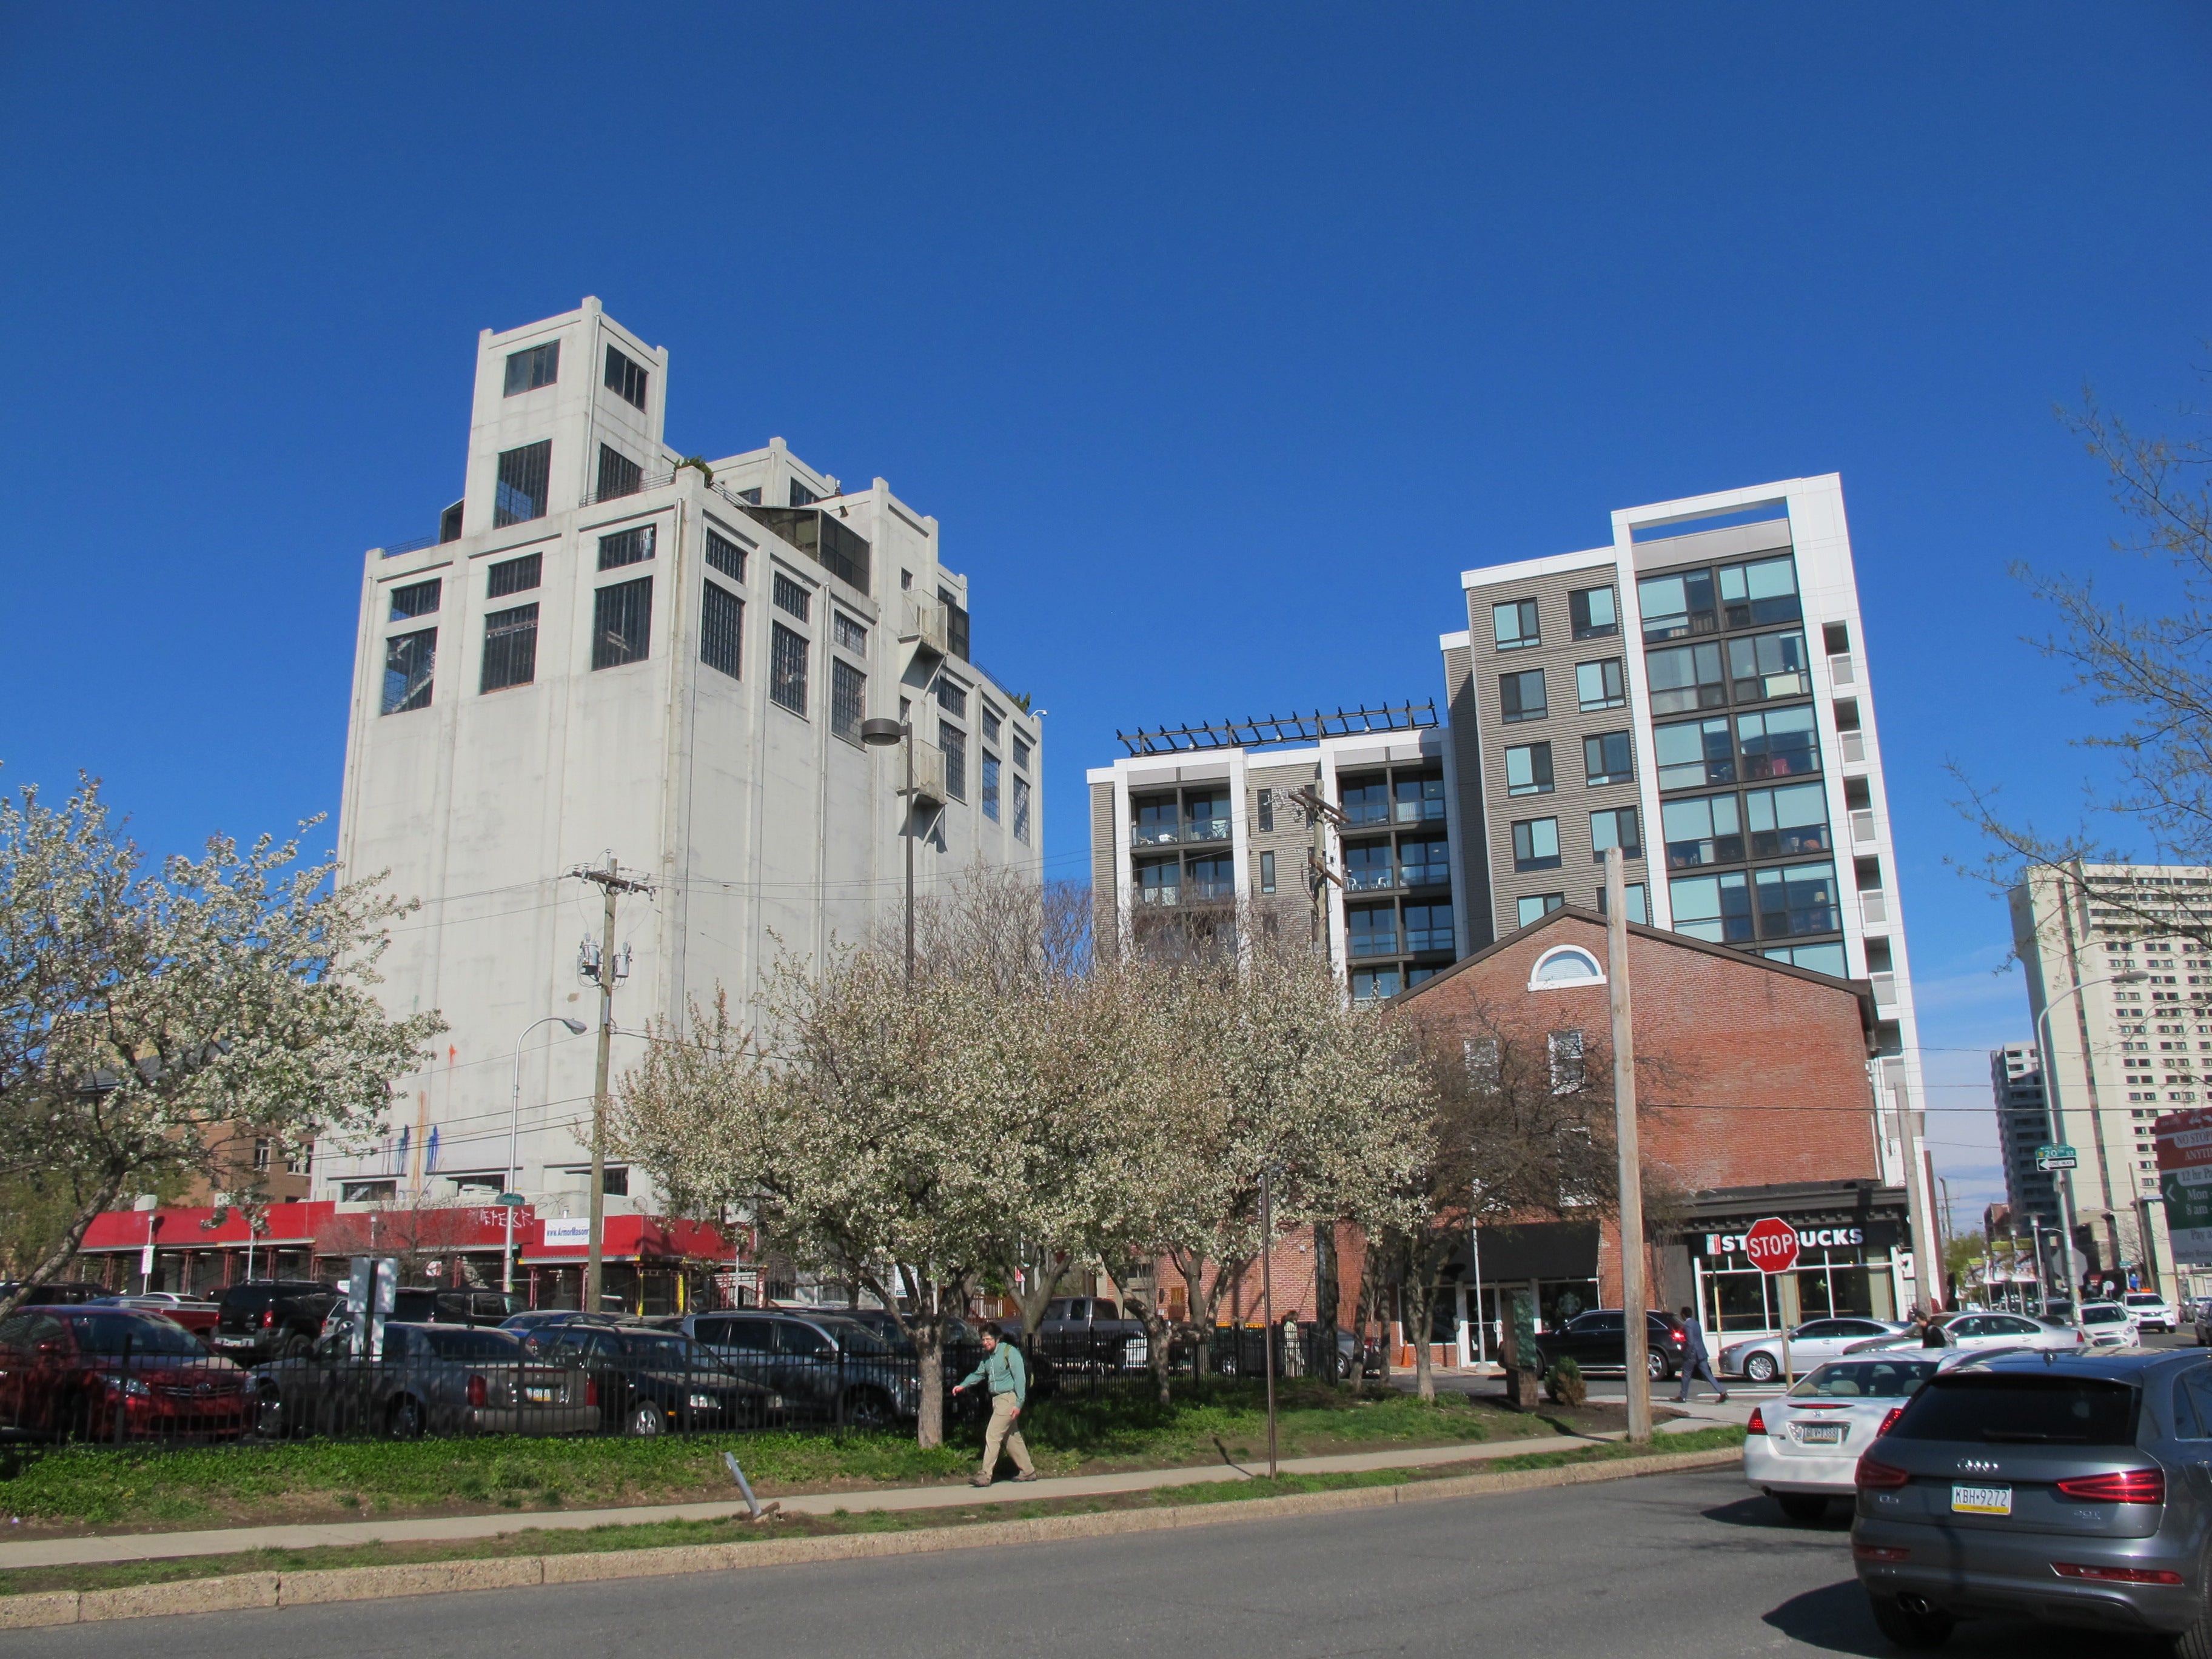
column 1565, row 965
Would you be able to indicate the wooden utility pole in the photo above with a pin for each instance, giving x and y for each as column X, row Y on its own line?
column 1633, row 1296
column 610, row 881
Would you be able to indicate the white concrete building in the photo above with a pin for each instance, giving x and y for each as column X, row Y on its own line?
column 608, row 650
column 1696, row 691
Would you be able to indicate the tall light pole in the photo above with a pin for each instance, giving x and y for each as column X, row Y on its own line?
column 2052, row 1119
column 881, row 733
column 509, row 1199
column 1637, row 1379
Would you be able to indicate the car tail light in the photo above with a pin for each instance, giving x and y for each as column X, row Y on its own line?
column 1889, row 1421
column 1758, row 1424
column 2116, row 1575
column 267, row 1318
column 476, row 1391
column 1874, row 1475
column 1879, row 1552
column 590, row 1391
column 2127, row 1486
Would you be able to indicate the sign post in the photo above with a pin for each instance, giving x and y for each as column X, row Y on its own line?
column 1771, row 1244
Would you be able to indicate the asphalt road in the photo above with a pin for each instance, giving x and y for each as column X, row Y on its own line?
column 1687, row 1565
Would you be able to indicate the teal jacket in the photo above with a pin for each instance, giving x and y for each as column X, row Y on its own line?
column 1003, row 1370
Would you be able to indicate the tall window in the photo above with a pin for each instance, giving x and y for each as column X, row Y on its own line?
column 1714, row 907
column 1521, row 696
column 1593, row 613
column 726, row 556
column 1536, row 844
column 791, row 596
column 1689, row 676
column 408, row 659
column 1021, row 752
column 786, row 667
column 533, row 366
column 1703, row 829
column 510, row 649
column 1608, row 757
column 622, row 623
column 1615, row 826
column 618, row 474
column 513, row 576
column 952, row 695
column 848, row 704
column 1267, row 810
column 954, row 742
column 990, row 724
column 1514, row 624
column 1566, row 1055
column 629, row 547
column 1694, row 753
column 990, row 786
column 1598, row 684
column 1528, row 769
column 521, row 492
column 1266, row 872
column 625, row 379
column 416, row 599
column 721, row 629
column 1021, row 809
column 801, row 495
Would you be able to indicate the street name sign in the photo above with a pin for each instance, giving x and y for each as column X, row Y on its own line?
column 1771, row 1244
column 2057, row 1158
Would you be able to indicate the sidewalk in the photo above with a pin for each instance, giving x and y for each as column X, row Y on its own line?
column 163, row 1546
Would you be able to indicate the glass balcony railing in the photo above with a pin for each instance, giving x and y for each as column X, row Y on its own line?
column 1171, row 832
column 1375, row 944
column 1206, row 829
column 1370, row 878
column 1425, row 875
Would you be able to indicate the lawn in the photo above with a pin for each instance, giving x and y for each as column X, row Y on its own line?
column 328, row 1481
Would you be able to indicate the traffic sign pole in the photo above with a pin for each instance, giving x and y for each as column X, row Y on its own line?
column 1771, row 1244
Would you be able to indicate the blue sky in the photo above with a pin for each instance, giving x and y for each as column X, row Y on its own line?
column 1220, row 339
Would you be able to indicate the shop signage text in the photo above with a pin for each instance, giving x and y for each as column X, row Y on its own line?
column 1808, row 1239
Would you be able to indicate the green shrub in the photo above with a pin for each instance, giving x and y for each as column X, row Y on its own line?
column 1565, row 1383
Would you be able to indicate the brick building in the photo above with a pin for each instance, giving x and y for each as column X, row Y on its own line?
column 1755, row 1099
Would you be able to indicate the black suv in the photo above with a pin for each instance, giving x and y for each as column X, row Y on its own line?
column 825, row 1367
column 273, row 1318
column 1597, row 1341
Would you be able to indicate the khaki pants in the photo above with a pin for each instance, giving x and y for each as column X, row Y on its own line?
column 1002, row 1432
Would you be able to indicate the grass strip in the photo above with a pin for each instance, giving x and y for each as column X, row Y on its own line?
column 541, row 1542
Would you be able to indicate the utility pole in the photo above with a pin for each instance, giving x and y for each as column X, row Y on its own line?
column 1321, row 814
column 1267, row 1307
column 1633, row 1295
column 604, row 971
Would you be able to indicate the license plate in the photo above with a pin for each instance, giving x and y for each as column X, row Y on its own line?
column 538, row 1396
column 1981, row 1500
column 1821, row 1434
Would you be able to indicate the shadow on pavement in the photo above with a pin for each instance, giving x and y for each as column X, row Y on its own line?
column 1836, row 1620
column 1764, row 1513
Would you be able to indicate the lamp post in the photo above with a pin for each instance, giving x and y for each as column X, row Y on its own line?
column 2053, row 1120
column 509, row 1199
column 878, row 734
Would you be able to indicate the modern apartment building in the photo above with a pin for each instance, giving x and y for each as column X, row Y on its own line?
column 1201, row 830
column 1696, row 692
column 2023, row 1125
column 2119, row 1055
column 609, row 648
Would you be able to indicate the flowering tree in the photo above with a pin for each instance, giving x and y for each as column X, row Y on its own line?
column 148, row 1022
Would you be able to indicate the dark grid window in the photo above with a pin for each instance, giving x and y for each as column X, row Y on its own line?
column 721, row 630
column 514, row 576
column 618, row 474
column 990, row 786
column 622, row 623
column 990, row 724
column 954, row 742
column 952, row 695
column 1608, row 757
column 1521, row 696
column 521, row 495
column 625, row 379
column 848, row 700
column 850, row 634
column 790, row 596
column 786, row 669
column 726, row 556
column 801, row 495
column 510, row 652
column 408, row 660
column 416, row 599
column 1022, row 753
column 1021, row 809
column 630, row 547
column 533, row 367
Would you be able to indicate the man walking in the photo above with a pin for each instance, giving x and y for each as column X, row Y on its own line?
column 1008, row 1380
column 1696, row 1362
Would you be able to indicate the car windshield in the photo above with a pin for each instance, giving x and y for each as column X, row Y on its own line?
column 679, row 1352
column 857, row 1338
column 2103, row 1313
column 1865, row 1379
column 2144, row 1299
column 108, row 1333
column 463, row 1343
column 2028, row 1409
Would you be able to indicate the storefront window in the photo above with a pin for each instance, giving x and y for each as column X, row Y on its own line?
column 1831, row 1282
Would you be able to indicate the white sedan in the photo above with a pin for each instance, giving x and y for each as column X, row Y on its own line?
column 1803, row 1449
column 1979, row 1332
column 2151, row 1311
column 1813, row 1343
column 2108, row 1325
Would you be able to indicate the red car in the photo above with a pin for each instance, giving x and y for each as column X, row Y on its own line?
column 115, row 1374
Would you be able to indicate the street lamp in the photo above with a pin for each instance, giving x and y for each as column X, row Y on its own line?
column 2052, row 1120
column 509, row 1199
column 879, row 734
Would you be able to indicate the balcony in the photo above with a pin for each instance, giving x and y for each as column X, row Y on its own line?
column 1853, row 746
column 928, row 774
column 925, row 624
column 1841, row 669
column 1424, row 875
column 1186, row 832
column 1862, row 828
column 1370, row 878
column 1885, row 990
column 1873, row 908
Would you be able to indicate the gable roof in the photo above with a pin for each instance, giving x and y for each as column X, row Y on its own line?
column 1860, row 989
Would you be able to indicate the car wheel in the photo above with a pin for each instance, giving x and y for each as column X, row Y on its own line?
column 2196, row 1642
column 1802, row 1507
column 297, row 1345
column 1655, row 1365
column 644, row 1421
column 1907, row 1627
column 269, row 1416
column 1761, row 1367
column 868, row 1411
column 404, row 1420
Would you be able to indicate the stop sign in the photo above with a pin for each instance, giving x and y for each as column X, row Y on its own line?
column 1771, row 1244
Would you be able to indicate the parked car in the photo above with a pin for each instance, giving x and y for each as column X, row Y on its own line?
column 266, row 1318
column 115, row 1374
column 57, row 1294
column 528, row 1326
column 1080, row 1333
column 198, row 1317
column 1597, row 1341
column 2108, row 1325
column 2060, row 1489
column 414, row 1304
column 431, row 1379
column 1802, row 1450
column 648, row 1381
column 1976, row 1332
column 2151, row 1311
column 1758, row 1359
column 2200, row 1317
column 822, row 1367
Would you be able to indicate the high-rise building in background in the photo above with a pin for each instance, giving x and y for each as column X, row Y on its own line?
column 611, row 649
column 2119, row 1055
column 1695, row 692
column 2023, row 1125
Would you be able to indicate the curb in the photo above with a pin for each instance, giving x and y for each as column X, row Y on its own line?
column 293, row 1589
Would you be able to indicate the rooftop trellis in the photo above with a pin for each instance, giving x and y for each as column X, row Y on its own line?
column 1280, row 728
